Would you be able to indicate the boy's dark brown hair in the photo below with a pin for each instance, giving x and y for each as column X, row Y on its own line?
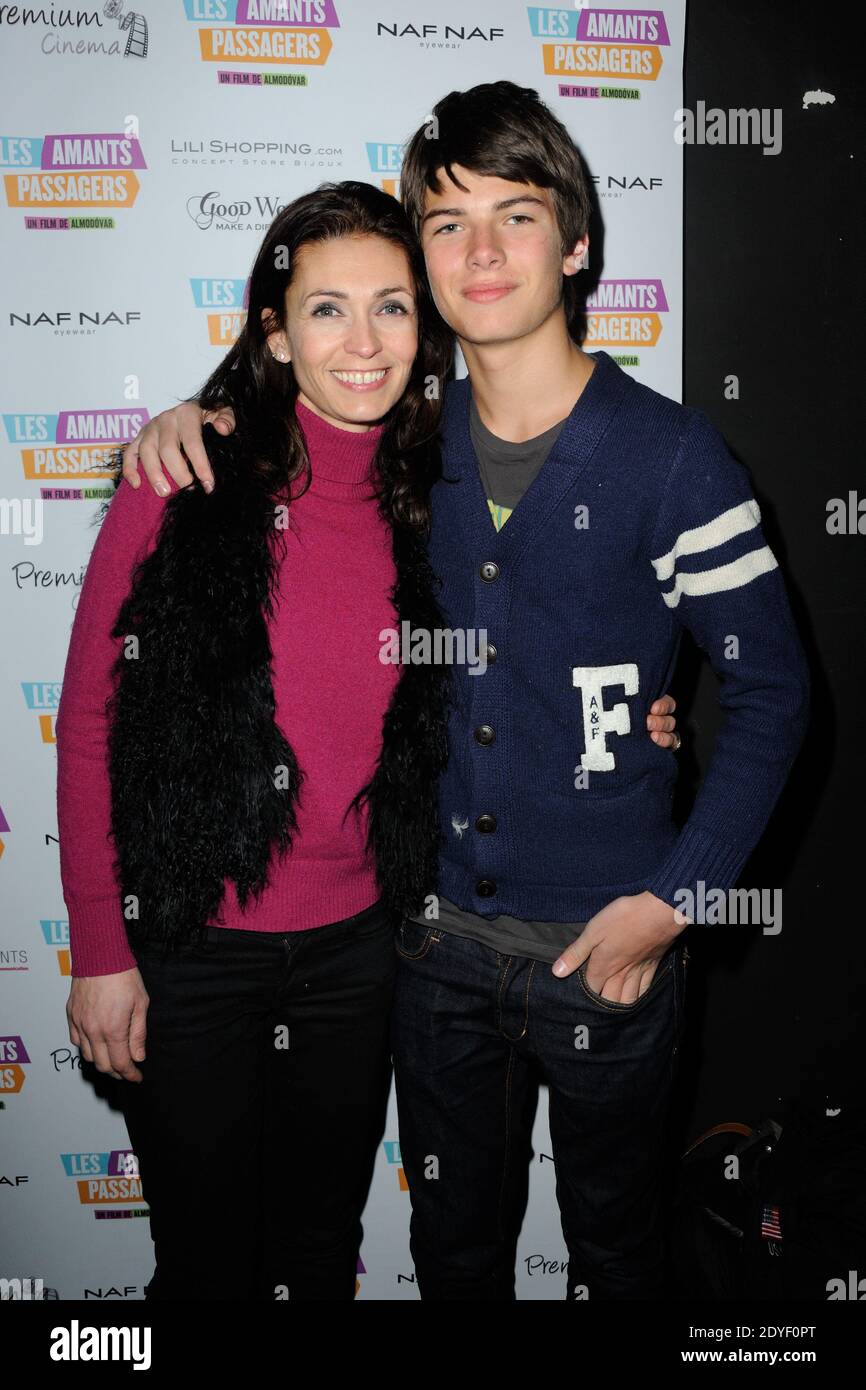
column 501, row 129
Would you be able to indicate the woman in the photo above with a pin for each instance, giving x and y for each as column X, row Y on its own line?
column 235, row 730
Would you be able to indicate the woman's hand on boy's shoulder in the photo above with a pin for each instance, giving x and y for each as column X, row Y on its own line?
column 173, row 441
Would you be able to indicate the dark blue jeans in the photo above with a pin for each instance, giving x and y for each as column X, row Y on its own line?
column 263, row 1101
column 470, row 1027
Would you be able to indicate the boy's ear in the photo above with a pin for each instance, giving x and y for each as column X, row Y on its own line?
column 578, row 260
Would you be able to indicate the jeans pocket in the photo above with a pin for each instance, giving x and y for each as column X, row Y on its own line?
column 412, row 940
column 663, row 972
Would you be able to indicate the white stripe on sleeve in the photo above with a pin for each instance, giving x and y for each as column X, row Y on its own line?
column 731, row 576
column 722, row 528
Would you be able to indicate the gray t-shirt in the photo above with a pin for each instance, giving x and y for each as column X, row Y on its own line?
column 507, row 470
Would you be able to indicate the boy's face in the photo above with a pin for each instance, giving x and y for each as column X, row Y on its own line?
column 493, row 256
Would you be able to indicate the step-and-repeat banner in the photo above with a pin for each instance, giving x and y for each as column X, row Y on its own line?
column 145, row 149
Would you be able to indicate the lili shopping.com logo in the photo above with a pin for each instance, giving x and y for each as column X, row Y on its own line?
column 597, row 50
column 256, row 32
column 57, row 177
column 69, row 449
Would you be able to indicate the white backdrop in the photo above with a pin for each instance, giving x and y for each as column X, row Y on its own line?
column 137, row 187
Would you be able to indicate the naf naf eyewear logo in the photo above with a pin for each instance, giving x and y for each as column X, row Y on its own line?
column 73, row 323
column 225, row 303
column 79, row 31
column 55, row 177
column 596, row 51
column 253, row 33
column 72, row 447
column 13, row 1059
column 430, row 35
column 109, row 1183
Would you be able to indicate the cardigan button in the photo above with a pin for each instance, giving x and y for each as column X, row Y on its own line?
column 484, row 734
column 490, row 653
column 486, row 824
column 489, row 571
column 485, row 888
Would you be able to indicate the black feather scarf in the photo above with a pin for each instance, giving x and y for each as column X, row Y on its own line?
column 204, row 785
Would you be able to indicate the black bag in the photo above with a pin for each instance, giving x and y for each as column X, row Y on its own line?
column 791, row 1224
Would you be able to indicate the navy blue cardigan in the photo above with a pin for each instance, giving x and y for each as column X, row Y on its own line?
column 640, row 524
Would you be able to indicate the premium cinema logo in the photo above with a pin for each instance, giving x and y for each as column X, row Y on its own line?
column 81, row 32
column 288, row 33
column 13, row 1059
column 66, row 450
column 625, row 314
column 224, row 302
column 109, row 1183
column 593, row 50
column 56, row 176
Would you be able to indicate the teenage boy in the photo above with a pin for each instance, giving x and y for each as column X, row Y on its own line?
column 583, row 522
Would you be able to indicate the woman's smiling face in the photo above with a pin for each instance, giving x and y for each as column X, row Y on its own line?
column 351, row 328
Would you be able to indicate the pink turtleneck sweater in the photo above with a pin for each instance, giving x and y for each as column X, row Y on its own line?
column 330, row 687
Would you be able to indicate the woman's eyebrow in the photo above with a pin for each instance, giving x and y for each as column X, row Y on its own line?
column 378, row 294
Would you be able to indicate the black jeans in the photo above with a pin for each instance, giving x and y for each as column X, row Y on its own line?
column 263, row 1100
column 470, row 1026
